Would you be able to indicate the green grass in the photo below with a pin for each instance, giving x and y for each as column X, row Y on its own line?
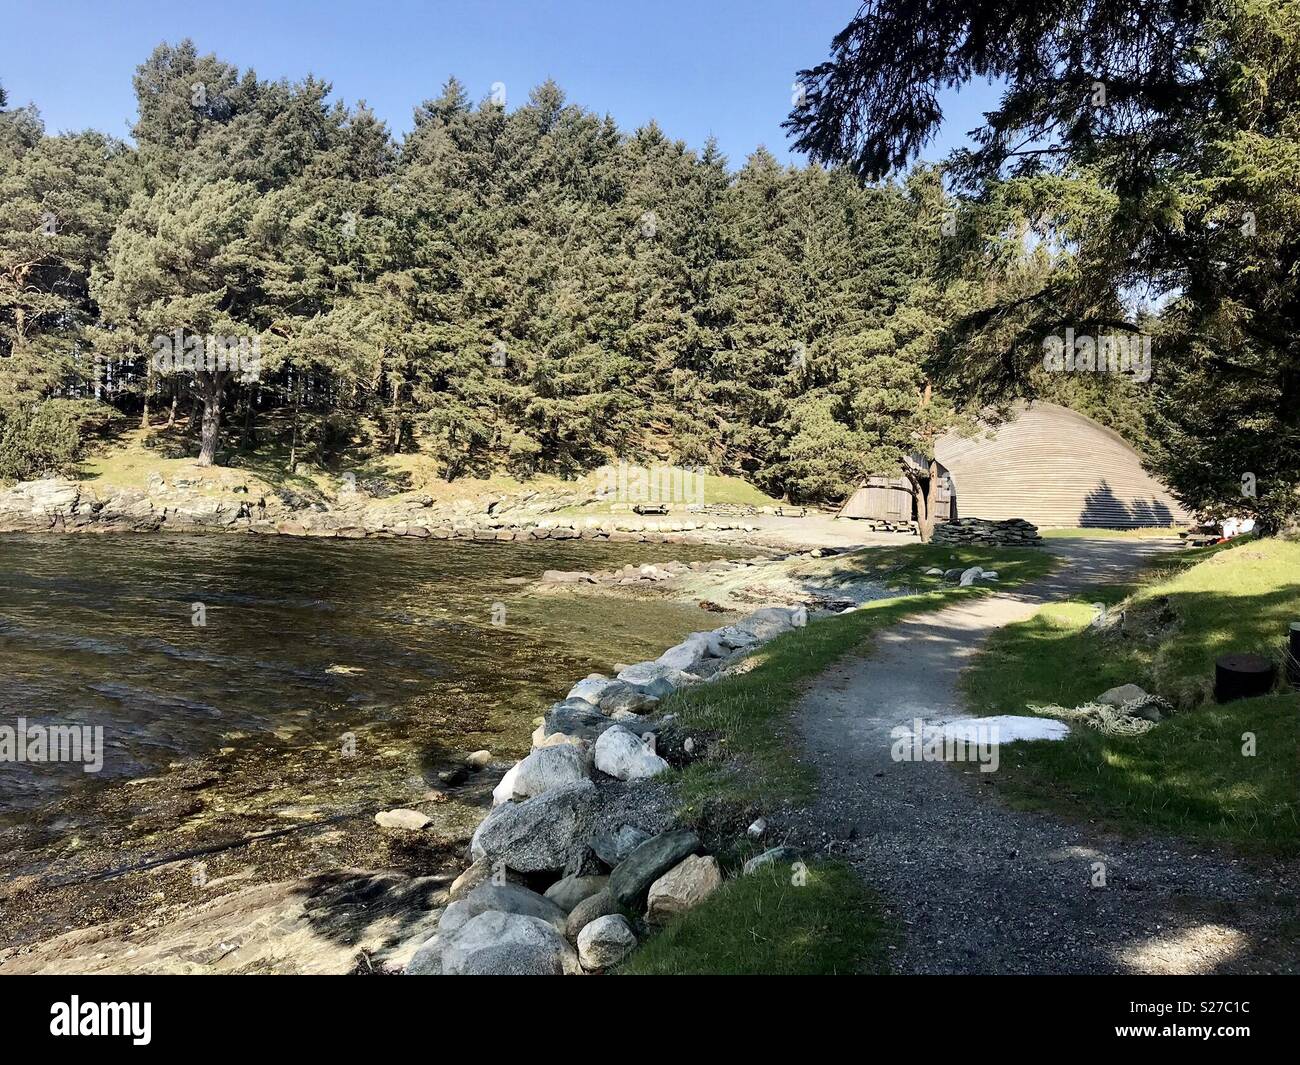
column 1188, row 775
column 763, row 924
column 748, row 714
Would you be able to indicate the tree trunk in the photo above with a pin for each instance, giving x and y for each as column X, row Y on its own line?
column 212, row 385
column 247, row 436
column 148, row 391
column 925, row 491
column 395, row 441
column 293, row 446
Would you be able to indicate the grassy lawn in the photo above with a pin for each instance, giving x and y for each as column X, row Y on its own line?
column 763, row 924
column 1188, row 775
column 748, row 713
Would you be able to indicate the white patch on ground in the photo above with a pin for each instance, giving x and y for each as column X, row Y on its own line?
column 999, row 729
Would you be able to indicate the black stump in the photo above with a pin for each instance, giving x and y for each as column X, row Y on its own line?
column 1240, row 676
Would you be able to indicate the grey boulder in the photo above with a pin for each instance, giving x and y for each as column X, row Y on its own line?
column 632, row 877
column 548, row 768
column 503, row 898
column 537, row 835
column 507, row 944
column 615, row 844
column 622, row 754
column 567, row 892
column 605, row 941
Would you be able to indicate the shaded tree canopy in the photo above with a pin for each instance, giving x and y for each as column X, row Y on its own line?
column 1147, row 152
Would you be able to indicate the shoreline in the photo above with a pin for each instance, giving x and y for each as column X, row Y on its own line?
column 63, row 506
column 361, row 848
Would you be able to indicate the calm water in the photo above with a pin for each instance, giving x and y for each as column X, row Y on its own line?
column 303, row 636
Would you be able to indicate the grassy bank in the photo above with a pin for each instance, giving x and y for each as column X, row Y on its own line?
column 773, row 923
column 1188, row 775
column 747, row 714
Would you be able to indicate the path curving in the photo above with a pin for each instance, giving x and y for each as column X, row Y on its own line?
column 978, row 888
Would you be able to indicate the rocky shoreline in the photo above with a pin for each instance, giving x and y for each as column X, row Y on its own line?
column 581, row 856
column 65, row 506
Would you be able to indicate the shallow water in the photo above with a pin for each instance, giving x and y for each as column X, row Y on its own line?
column 302, row 641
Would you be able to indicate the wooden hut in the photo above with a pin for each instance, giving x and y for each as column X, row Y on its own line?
column 1049, row 465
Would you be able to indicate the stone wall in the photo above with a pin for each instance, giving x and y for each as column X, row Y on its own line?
column 1013, row 532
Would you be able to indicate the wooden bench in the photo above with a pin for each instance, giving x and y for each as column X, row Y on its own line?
column 791, row 512
column 650, row 508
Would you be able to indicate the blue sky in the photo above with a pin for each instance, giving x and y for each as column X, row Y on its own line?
column 721, row 67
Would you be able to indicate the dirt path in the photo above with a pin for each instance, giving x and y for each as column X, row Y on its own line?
column 978, row 888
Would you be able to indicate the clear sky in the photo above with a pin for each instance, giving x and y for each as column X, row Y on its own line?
column 701, row 67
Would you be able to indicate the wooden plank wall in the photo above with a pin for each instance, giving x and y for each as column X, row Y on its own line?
column 1056, row 468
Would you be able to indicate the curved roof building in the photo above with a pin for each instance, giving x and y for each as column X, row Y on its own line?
column 1056, row 468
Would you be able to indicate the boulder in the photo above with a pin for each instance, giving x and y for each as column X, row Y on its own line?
column 624, row 755
column 548, row 768
column 768, row 622
column 427, row 959
column 478, row 759
column 732, row 638
column 655, row 678
column 604, row 942
column 576, row 718
column 629, row 698
column 1124, row 693
column 476, row 873
column 969, row 576
column 683, row 887
column 503, row 898
column 590, row 688
column 403, row 820
column 689, row 655
column 559, row 576
column 647, row 862
column 772, row 856
column 567, row 892
column 507, row 944
column 613, row 845
column 505, row 789
column 589, row 909
column 539, row 834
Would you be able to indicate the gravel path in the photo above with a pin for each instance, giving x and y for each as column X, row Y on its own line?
column 978, row 888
